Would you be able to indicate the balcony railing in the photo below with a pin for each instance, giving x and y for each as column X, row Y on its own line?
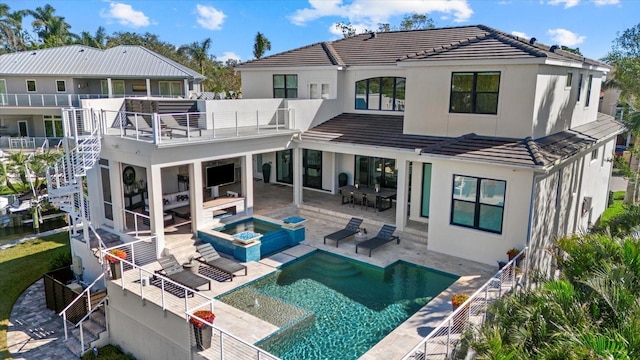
column 61, row 100
column 446, row 341
column 196, row 126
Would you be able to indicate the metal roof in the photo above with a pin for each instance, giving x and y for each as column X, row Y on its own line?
column 124, row 61
column 387, row 131
column 388, row 48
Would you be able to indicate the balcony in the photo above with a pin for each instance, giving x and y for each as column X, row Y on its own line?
column 56, row 100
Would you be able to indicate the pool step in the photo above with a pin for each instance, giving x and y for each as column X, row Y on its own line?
column 332, row 269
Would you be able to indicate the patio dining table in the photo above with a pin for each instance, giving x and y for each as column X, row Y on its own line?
column 384, row 197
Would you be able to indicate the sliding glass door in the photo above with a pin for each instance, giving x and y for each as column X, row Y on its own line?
column 312, row 168
column 374, row 170
column 284, row 166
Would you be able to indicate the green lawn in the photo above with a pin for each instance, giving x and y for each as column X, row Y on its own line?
column 615, row 209
column 21, row 266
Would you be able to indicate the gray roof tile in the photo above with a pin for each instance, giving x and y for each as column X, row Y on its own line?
column 77, row 60
column 387, row 131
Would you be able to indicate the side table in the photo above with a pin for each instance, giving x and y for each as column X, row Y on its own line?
column 361, row 237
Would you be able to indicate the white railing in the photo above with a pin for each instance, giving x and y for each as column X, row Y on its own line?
column 225, row 345
column 54, row 100
column 86, row 292
column 447, row 339
column 141, row 222
column 193, row 126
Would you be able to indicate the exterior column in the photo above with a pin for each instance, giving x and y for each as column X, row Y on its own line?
column 402, row 198
column 117, row 192
column 186, row 88
column 297, row 176
column 247, row 182
column 196, row 196
column 148, row 87
column 109, row 87
column 156, row 204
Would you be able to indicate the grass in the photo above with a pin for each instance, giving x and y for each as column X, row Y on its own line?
column 615, row 209
column 21, row 266
column 108, row 352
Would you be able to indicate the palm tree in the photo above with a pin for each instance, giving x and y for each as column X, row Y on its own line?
column 51, row 29
column 12, row 37
column 632, row 121
column 97, row 41
column 260, row 45
column 197, row 52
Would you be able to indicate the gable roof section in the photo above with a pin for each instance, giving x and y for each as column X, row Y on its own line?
column 386, row 131
column 77, row 60
column 387, row 48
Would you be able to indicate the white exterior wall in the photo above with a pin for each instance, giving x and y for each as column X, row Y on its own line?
column 556, row 107
column 44, row 84
column 595, row 183
column 469, row 243
column 428, row 93
column 258, row 84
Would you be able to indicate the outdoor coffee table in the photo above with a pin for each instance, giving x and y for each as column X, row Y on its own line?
column 182, row 212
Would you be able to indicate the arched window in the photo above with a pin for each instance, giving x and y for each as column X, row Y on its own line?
column 380, row 93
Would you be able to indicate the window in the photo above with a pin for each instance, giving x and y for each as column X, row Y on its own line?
column 478, row 203
column 426, row 190
column 285, row 86
column 170, row 88
column 31, row 86
column 580, row 86
column 3, row 92
column 569, row 80
column 474, row 92
column 117, row 87
column 594, row 155
column 53, row 126
column 318, row 91
column 370, row 171
column 61, row 86
column 588, row 99
column 382, row 93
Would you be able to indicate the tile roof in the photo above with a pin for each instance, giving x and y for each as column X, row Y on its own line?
column 387, row 48
column 386, row 131
column 123, row 61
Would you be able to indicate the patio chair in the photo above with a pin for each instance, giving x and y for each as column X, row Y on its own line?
column 173, row 124
column 385, row 235
column 348, row 231
column 140, row 124
column 172, row 269
column 210, row 257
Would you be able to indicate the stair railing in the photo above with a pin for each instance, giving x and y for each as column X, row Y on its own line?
column 87, row 292
column 79, row 324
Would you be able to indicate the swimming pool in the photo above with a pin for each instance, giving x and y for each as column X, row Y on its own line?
column 250, row 224
column 331, row 307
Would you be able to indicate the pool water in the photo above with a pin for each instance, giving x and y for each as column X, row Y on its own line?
column 250, row 224
column 354, row 305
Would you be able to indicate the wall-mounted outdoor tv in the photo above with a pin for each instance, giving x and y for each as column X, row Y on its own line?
column 221, row 175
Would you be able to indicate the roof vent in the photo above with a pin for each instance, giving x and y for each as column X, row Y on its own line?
column 81, row 50
column 532, row 41
column 373, row 35
column 553, row 48
column 33, row 53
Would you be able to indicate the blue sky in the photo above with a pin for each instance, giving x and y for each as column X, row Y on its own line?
column 590, row 25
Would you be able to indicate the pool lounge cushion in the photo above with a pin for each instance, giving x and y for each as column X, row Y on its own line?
column 210, row 257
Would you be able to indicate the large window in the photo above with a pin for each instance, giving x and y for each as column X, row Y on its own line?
column 474, row 92
column 478, row 203
column 381, row 93
column 285, row 86
column 53, row 126
column 170, row 88
column 373, row 170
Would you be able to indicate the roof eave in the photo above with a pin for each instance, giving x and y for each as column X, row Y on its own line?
column 577, row 65
column 470, row 62
column 289, row 68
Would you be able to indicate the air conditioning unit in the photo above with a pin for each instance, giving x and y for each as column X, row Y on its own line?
column 76, row 265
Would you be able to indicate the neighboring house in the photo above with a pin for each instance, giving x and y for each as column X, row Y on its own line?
column 36, row 84
column 483, row 142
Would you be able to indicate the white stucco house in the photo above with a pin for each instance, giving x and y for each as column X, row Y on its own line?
column 481, row 141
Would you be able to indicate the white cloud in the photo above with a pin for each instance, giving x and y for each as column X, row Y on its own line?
column 567, row 3
column 369, row 13
column 228, row 55
column 520, row 34
column 209, row 17
column 606, row 2
column 125, row 15
column 566, row 37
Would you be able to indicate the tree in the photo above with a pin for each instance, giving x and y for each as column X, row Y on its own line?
column 625, row 58
column 346, row 28
column 415, row 21
column 12, row 36
column 99, row 40
column 571, row 50
column 51, row 29
column 260, row 45
column 197, row 52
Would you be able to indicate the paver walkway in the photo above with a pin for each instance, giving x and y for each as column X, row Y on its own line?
column 34, row 331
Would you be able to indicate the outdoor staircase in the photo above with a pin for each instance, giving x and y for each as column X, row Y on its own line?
column 94, row 328
column 182, row 246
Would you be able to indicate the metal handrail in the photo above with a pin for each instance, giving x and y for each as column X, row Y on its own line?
column 82, row 320
column 63, row 313
column 463, row 311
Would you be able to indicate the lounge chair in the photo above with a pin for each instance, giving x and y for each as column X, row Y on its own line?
column 173, row 124
column 174, row 271
column 384, row 236
column 348, row 231
column 140, row 124
column 210, row 257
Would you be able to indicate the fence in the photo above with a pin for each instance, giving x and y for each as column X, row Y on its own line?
column 446, row 340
